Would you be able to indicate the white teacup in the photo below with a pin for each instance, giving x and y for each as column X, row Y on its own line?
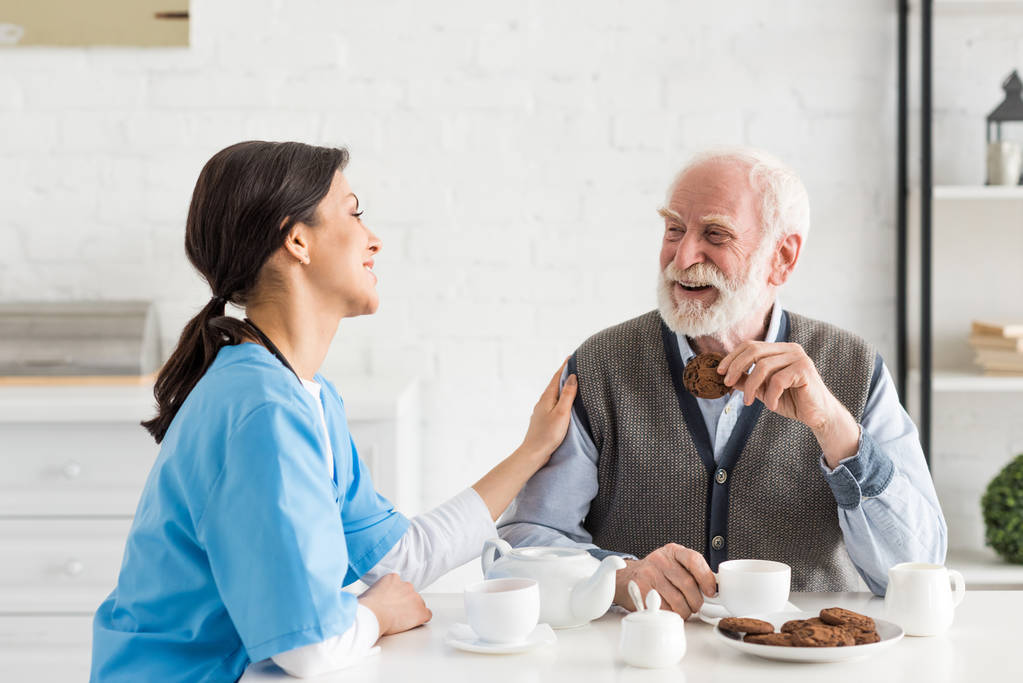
column 752, row 586
column 920, row 599
column 503, row 610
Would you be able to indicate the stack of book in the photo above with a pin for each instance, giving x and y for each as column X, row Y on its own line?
column 999, row 347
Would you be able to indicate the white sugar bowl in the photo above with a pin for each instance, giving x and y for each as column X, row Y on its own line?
column 652, row 638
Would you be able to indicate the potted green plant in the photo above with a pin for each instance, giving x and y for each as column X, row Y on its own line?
column 1002, row 504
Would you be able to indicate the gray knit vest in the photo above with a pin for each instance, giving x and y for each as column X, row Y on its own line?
column 658, row 482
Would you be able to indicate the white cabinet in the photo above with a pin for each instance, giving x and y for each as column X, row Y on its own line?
column 65, row 468
column 47, row 648
column 73, row 461
column 61, row 564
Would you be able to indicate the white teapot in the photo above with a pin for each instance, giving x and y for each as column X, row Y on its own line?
column 575, row 587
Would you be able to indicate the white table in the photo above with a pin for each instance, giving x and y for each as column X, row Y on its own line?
column 984, row 643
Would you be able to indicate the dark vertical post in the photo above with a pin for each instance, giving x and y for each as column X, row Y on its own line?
column 926, row 196
column 901, row 211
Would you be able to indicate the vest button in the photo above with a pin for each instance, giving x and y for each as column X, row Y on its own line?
column 717, row 543
column 722, row 476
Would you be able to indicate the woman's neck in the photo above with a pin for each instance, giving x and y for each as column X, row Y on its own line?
column 301, row 333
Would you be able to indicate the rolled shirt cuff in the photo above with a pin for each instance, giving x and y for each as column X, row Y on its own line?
column 336, row 652
column 864, row 475
column 477, row 514
column 600, row 554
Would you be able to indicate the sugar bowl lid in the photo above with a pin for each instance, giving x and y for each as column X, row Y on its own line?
column 650, row 614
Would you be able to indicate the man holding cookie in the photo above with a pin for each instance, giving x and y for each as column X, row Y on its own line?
column 790, row 444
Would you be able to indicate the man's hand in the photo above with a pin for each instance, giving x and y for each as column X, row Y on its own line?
column 787, row 381
column 679, row 574
column 396, row 604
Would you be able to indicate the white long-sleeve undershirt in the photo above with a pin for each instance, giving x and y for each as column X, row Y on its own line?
column 436, row 542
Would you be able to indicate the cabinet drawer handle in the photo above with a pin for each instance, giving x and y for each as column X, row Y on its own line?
column 72, row 470
column 73, row 567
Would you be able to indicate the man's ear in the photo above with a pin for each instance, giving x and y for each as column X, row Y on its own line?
column 296, row 244
column 784, row 260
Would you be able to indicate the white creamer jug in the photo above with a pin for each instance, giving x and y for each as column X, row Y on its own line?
column 920, row 597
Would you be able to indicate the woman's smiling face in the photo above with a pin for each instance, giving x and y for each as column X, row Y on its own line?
column 342, row 251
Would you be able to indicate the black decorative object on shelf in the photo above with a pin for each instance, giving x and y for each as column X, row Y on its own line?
column 1005, row 156
column 1011, row 108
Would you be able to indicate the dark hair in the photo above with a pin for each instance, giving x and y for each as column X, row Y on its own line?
column 245, row 202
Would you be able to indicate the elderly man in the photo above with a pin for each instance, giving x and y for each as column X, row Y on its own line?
column 810, row 460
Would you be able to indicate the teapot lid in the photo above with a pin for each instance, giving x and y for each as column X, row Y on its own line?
column 550, row 553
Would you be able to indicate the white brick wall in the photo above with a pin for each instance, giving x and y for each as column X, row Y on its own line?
column 511, row 156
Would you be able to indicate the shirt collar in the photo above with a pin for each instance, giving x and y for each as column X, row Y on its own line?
column 686, row 351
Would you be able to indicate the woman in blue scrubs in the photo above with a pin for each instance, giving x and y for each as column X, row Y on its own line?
column 258, row 509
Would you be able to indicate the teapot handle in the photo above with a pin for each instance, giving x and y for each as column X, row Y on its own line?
column 490, row 553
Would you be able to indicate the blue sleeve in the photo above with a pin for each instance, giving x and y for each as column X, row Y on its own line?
column 372, row 525
column 273, row 538
column 888, row 509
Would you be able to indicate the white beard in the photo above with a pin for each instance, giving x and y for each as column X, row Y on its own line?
column 737, row 299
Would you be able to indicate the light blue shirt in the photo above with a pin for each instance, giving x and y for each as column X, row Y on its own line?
column 888, row 510
column 241, row 543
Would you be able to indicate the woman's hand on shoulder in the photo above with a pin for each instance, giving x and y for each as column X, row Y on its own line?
column 396, row 604
column 547, row 428
column 551, row 416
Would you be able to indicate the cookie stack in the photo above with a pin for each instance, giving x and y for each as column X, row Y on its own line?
column 835, row 627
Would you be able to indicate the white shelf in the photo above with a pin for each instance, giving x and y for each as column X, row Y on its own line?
column 984, row 570
column 942, row 6
column 964, row 381
column 979, row 192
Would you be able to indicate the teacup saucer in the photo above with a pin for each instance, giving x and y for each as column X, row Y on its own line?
column 712, row 614
column 462, row 637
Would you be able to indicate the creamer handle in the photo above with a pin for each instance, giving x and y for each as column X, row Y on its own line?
column 491, row 549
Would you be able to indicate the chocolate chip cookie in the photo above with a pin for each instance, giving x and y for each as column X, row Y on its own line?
column 790, row 626
column 782, row 639
column 701, row 376
column 863, row 637
column 837, row 616
column 822, row 635
column 741, row 625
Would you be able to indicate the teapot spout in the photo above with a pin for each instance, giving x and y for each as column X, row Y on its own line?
column 592, row 598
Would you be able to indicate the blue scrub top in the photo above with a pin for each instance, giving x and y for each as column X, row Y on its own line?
column 241, row 542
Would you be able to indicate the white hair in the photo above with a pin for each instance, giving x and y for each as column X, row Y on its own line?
column 784, row 203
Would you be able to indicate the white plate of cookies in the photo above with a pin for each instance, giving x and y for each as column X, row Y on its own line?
column 832, row 635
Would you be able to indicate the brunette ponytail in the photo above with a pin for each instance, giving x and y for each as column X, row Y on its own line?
column 246, row 200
